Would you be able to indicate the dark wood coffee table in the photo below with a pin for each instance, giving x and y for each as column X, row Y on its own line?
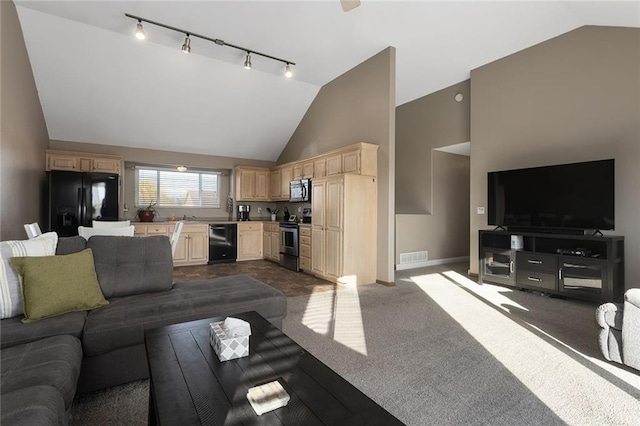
column 189, row 385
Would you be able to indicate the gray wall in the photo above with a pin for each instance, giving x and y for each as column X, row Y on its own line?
column 157, row 157
column 445, row 232
column 573, row 98
column 23, row 133
column 432, row 187
column 358, row 106
column 429, row 122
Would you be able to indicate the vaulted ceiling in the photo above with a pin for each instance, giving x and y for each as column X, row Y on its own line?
column 98, row 84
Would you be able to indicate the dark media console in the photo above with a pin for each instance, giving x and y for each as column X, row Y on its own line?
column 578, row 266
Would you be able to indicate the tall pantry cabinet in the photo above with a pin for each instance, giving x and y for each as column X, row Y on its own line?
column 344, row 211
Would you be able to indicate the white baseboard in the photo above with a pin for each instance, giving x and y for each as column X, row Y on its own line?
column 431, row 263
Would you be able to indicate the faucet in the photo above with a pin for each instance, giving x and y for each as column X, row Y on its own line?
column 190, row 218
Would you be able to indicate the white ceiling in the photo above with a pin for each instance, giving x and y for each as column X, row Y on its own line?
column 98, row 84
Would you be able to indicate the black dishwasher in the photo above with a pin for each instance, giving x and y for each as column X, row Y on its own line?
column 223, row 243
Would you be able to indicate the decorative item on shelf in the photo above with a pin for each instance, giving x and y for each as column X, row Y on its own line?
column 146, row 214
column 273, row 212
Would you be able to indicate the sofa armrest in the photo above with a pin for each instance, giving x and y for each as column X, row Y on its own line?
column 631, row 329
column 609, row 315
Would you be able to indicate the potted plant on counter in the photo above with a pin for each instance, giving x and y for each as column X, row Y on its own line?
column 146, row 214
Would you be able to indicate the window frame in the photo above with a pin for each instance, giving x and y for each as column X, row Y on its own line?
column 158, row 170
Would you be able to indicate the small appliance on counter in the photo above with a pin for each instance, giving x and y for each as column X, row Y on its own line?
column 243, row 212
column 306, row 215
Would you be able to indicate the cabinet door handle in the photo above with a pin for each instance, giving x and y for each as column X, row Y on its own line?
column 560, row 274
column 536, row 279
column 511, row 266
column 535, row 262
column 571, row 265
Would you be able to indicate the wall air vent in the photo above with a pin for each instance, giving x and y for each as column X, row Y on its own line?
column 414, row 257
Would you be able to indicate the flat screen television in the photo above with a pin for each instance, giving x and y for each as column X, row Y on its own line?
column 568, row 196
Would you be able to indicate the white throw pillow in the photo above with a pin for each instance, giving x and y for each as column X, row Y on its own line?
column 10, row 292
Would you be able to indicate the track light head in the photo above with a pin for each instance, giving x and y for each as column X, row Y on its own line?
column 247, row 62
column 140, row 34
column 287, row 71
column 186, row 47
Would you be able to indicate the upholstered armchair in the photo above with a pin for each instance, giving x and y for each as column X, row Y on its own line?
column 620, row 335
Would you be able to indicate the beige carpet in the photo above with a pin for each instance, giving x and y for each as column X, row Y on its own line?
column 440, row 349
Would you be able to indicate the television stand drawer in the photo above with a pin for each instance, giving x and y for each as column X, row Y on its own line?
column 531, row 279
column 537, row 262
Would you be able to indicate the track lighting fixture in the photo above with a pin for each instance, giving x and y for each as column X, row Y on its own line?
column 140, row 34
column 186, row 47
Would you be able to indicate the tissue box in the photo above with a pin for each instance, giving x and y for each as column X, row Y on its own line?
column 226, row 346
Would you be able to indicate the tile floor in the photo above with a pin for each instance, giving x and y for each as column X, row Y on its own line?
column 288, row 282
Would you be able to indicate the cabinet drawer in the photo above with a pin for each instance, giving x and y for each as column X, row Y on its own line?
column 536, row 279
column 305, row 264
column 305, row 250
column 536, row 262
column 249, row 227
column 271, row 227
column 305, row 231
column 305, row 240
column 157, row 229
column 140, row 230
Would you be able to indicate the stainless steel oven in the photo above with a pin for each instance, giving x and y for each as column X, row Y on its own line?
column 289, row 247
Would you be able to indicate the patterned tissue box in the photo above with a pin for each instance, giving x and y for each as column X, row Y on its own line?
column 226, row 346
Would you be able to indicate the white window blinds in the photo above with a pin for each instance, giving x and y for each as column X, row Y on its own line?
column 170, row 188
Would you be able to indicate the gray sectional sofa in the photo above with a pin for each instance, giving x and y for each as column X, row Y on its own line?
column 42, row 361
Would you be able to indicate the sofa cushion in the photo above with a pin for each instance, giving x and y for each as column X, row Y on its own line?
column 123, row 322
column 36, row 405
column 54, row 361
column 14, row 332
column 55, row 285
column 10, row 293
column 68, row 245
column 132, row 265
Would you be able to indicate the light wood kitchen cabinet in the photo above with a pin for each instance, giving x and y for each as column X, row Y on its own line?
column 320, row 168
column 276, row 185
column 271, row 241
column 285, row 179
column 250, row 241
column 343, row 233
column 297, row 171
column 252, row 184
column 305, row 248
column 351, row 161
column 82, row 162
column 262, row 185
column 192, row 247
column 307, row 170
column 334, row 165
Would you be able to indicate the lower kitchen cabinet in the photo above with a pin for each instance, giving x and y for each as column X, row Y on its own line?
column 250, row 241
column 193, row 244
column 305, row 248
column 271, row 241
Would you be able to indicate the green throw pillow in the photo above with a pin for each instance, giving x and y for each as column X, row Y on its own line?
column 55, row 285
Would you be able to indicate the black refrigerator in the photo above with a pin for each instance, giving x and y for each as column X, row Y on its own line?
column 79, row 198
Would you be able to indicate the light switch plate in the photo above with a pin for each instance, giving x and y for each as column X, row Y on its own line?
column 480, row 210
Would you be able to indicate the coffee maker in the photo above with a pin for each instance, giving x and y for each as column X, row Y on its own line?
column 243, row 212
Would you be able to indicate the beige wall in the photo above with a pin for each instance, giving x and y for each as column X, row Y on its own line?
column 573, row 98
column 358, row 106
column 23, row 133
column 432, row 121
column 157, row 157
column 445, row 232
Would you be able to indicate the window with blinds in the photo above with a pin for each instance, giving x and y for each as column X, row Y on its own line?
column 170, row 188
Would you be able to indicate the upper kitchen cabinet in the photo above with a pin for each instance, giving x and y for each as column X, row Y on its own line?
column 303, row 170
column 285, row 178
column 82, row 162
column 252, row 183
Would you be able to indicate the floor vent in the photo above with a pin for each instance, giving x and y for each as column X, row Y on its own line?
column 416, row 256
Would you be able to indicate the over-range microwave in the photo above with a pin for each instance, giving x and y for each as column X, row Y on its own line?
column 300, row 191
